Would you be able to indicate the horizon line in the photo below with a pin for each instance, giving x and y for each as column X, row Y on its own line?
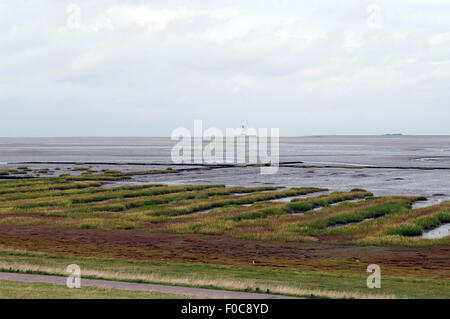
column 284, row 136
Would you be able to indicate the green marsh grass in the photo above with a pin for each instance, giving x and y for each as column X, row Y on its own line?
column 211, row 209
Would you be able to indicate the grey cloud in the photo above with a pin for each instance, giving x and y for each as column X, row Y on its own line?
column 145, row 68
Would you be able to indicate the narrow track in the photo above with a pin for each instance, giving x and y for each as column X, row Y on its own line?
column 110, row 284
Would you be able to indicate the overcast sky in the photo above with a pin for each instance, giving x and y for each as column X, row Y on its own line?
column 147, row 67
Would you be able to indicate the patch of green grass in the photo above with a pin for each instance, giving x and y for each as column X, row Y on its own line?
column 301, row 205
column 417, row 227
column 249, row 199
column 78, row 169
column 49, row 186
column 407, row 230
column 359, row 215
column 129, row 193
column 110, row 171
column 264, row 213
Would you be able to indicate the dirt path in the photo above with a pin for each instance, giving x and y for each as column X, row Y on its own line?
column 109, row 284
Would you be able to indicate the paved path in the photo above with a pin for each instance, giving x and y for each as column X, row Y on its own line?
column 110, row 284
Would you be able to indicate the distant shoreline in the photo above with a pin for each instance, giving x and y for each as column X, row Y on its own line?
column 286, row 136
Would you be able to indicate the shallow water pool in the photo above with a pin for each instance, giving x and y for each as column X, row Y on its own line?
column 439, row 232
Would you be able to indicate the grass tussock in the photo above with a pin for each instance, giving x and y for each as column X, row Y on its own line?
column 417, row 227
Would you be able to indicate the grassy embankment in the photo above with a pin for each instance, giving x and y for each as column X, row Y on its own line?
column 282, row 281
